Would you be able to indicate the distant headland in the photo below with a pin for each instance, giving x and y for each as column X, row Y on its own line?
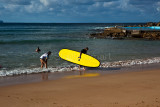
column 149, row 31
column 1, row 21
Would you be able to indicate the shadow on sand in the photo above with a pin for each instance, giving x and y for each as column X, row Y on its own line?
column 104, row 69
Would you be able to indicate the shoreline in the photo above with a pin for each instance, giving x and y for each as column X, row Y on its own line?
column 49, row 76
column 125, row 89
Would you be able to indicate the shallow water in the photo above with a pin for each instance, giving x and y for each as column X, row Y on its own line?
column 19, row 41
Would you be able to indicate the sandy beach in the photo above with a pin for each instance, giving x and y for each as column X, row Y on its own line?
column 129, row 89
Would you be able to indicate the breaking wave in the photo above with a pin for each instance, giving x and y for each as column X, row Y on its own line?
column 130, row 62
column 5, row 72
column 19, row 71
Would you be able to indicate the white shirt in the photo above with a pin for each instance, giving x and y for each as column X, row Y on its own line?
column 44, row 56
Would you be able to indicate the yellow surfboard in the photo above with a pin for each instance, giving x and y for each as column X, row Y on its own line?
column 72, row 56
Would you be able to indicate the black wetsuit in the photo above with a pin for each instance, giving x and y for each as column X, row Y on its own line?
column 84, row 51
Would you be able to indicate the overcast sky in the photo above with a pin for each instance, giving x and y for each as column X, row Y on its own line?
column 67, row 11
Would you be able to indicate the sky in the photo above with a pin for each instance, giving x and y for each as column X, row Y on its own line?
column 80, row 11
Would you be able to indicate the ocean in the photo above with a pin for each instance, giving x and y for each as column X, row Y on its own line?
column 18, row 42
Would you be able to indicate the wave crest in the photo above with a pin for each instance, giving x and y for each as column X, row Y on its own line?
column 5, row 72
column 130, row 62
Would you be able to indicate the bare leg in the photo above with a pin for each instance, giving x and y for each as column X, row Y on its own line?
column 79, row 67
column 41, row 63
column 84, row 68
column 46, row 64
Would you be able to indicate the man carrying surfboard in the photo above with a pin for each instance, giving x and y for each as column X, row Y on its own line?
column 85, row 52
column 44, row 58
column 79, row 58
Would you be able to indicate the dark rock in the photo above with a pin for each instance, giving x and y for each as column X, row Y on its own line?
column 120, row 33
column 158, row 24
column 151, row 24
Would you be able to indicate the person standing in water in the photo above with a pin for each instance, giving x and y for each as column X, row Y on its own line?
column 85, row 52
column 44, row 58
column 38, row 50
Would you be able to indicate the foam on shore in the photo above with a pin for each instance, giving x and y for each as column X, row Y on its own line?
column 5, row 72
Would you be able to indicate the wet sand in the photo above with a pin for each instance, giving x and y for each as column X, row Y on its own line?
column 127, row 89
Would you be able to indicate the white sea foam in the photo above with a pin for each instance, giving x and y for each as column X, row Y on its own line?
column 130, row 62
column 97, row 28
column 19, row 71
column 5, row 72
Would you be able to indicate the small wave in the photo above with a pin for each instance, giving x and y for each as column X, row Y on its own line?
column 130, row 62
column 5, row 72
column 19, row 71
column 100, row 28
column 37, row 41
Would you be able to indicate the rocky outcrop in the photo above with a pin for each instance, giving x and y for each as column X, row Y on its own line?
column 151, row 24
column 117, row 33
column 151, row 35
column 158, row 24
column 114, row 33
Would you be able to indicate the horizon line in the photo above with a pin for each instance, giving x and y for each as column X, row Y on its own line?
column 78, row 22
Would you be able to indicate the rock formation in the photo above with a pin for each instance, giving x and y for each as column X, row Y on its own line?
column 120, row 33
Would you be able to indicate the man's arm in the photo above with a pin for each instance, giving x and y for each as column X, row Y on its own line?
column 46, row 62
column 46, row 58
column 80, row 55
